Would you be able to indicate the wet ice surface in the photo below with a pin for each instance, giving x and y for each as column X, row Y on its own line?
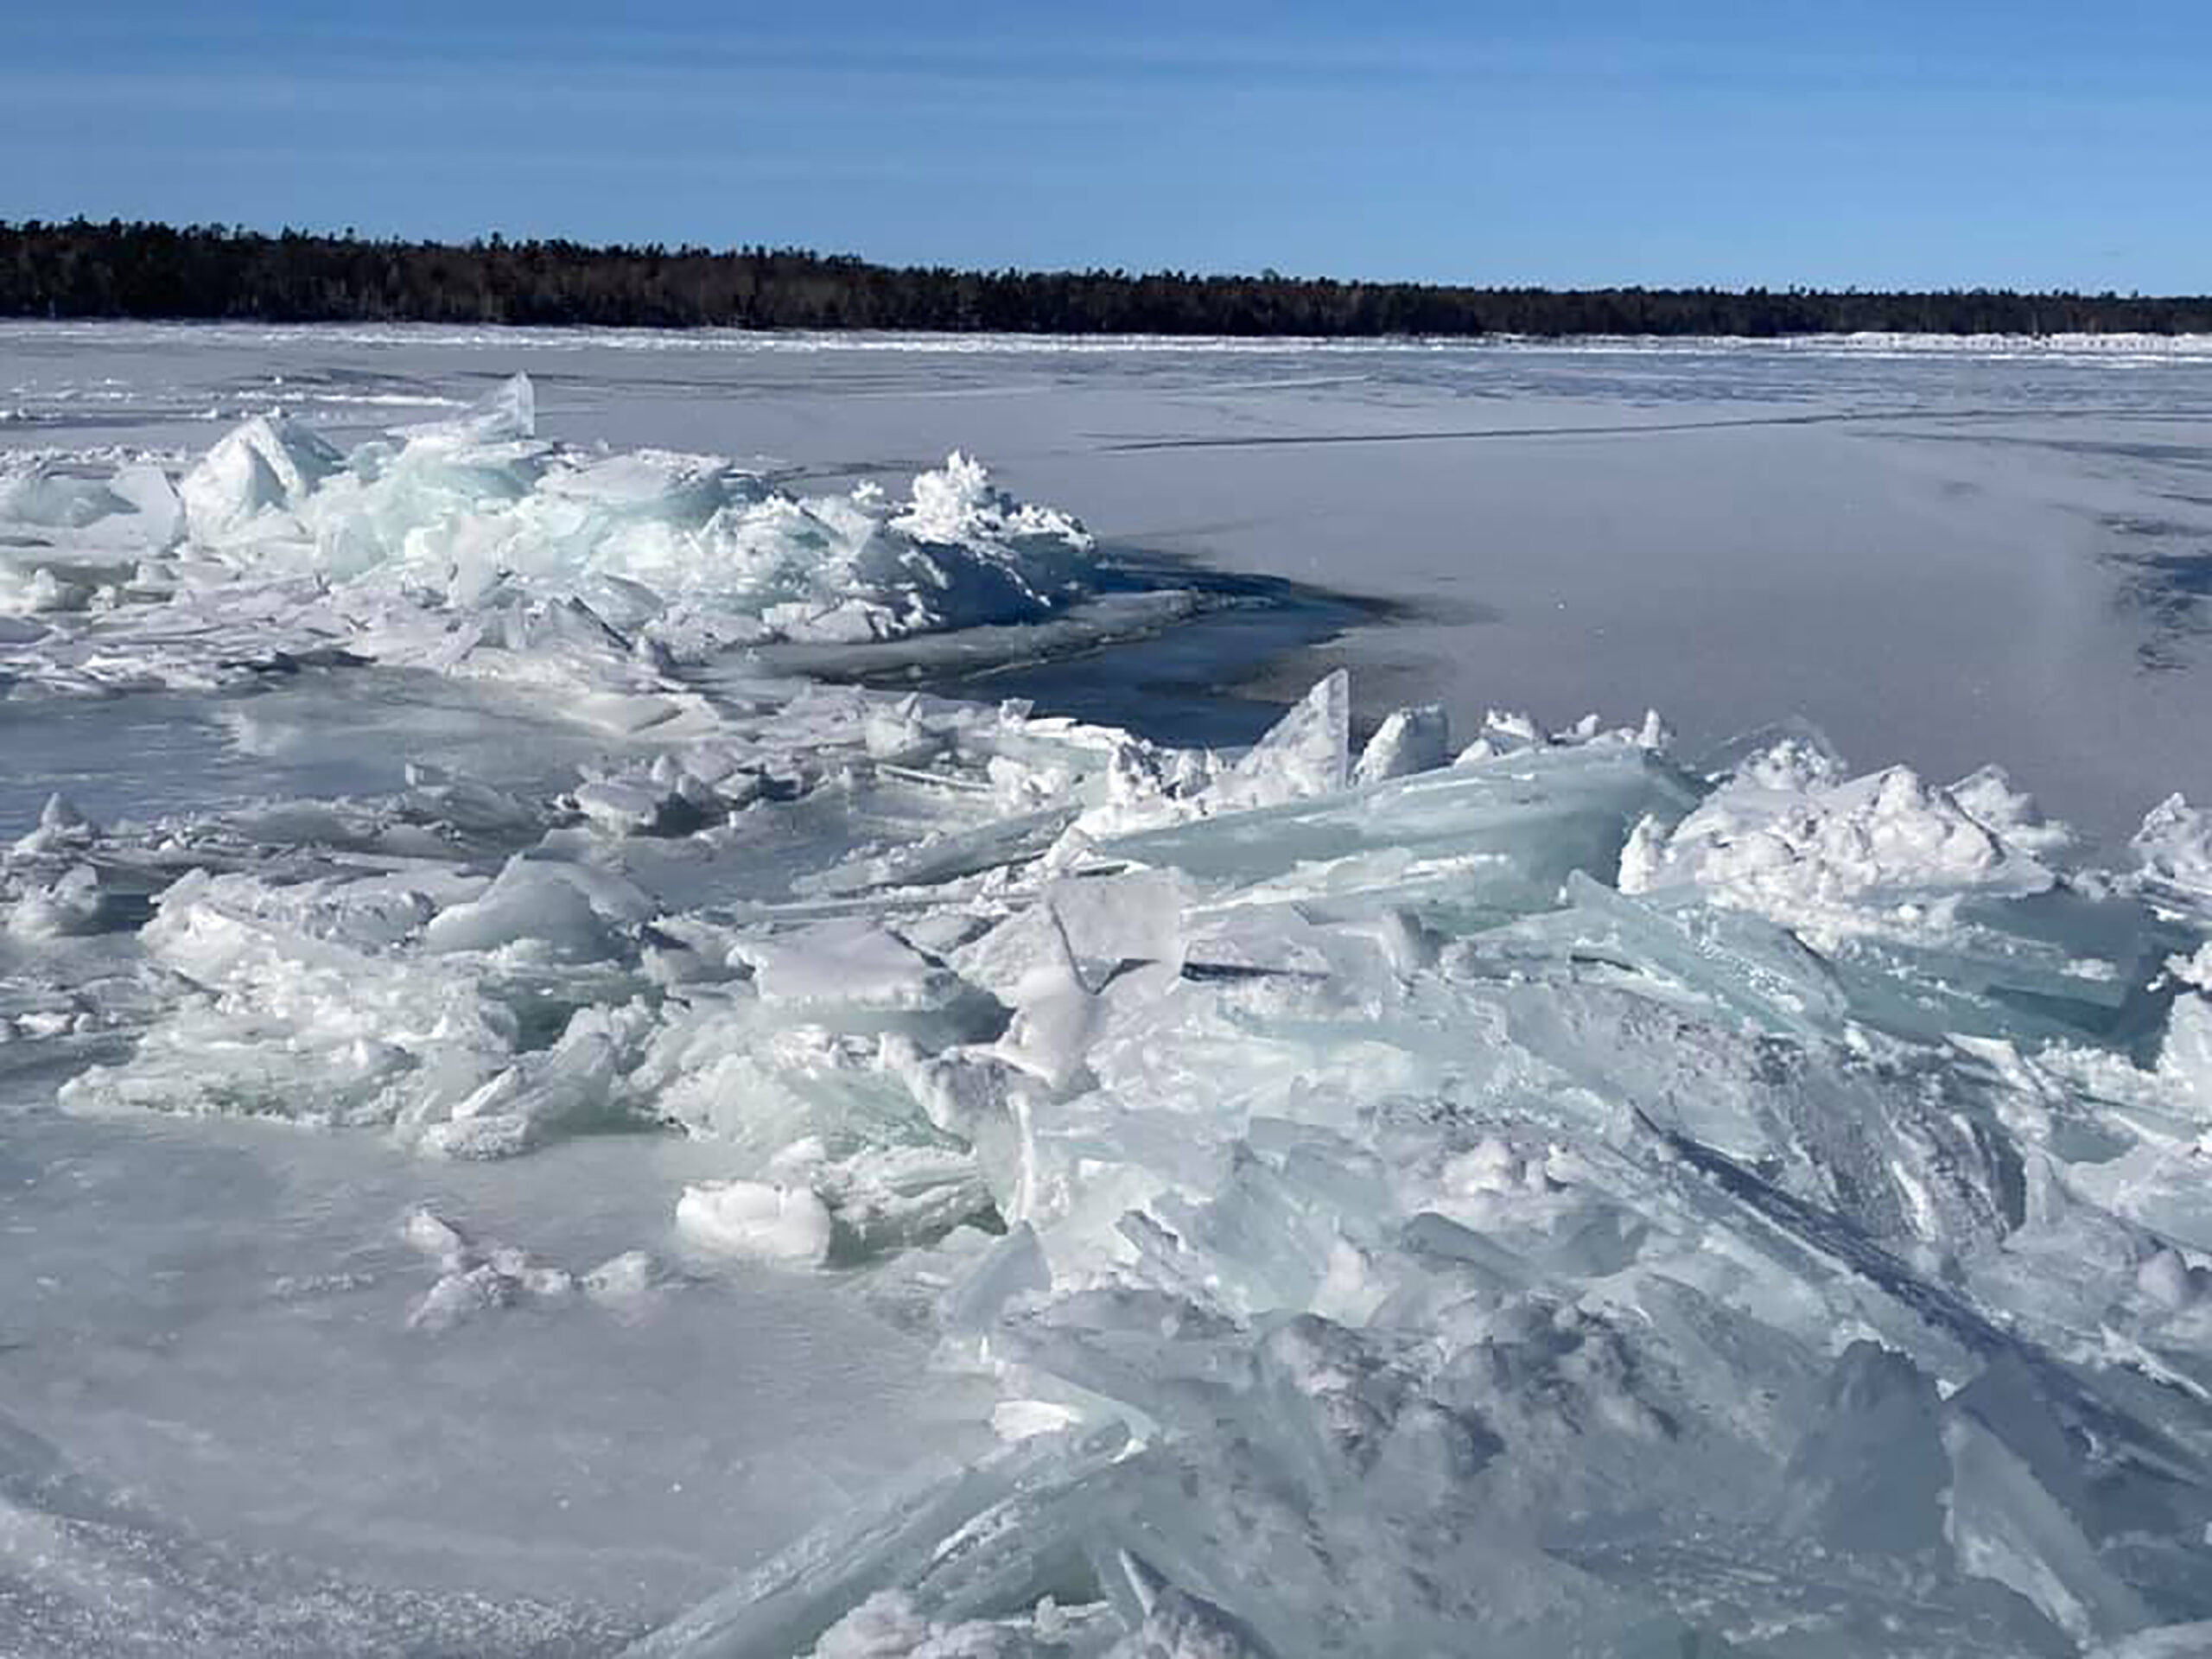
column 555, row 1103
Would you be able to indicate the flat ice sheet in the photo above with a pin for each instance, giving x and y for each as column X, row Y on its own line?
column 215, row 1319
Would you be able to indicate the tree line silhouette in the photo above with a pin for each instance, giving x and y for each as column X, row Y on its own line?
column 84, row 269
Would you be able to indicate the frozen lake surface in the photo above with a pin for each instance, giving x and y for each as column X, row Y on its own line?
column 638, row 1015
column 1943, row 555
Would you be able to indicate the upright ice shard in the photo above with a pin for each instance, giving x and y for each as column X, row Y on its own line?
column 1408, row 741
column 1305, row 755
column 267, row 465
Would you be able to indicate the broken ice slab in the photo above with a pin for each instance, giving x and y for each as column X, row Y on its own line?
column 266, row 468
column 1306, row 753
column 1170, row 1621
column 45, row 498
column 1833, row 1605
column 1315, row 1485
column 1742, row 965
column 2055, row 964
column 558, row 908
column 945, row 856
column 956, row 1539
column 505, row 414
column 1513, row 828
column 1983, row 982
column 620, row 807
column 847, row 961
column 1408, row 741
column 2058, row 963
column 2187, row 1641
column 2174, row 848
column 1010, row 1266
column 2005, row 1526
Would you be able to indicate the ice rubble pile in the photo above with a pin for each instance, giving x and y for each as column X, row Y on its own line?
column 1539, row 1200
column 469, row 535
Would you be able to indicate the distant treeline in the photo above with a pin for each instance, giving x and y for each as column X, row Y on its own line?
column 208, row 272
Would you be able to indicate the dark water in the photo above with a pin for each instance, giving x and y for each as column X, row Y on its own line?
column 1181, row 684
column 147, row 755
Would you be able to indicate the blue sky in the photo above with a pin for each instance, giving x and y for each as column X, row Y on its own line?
column 1941, row 143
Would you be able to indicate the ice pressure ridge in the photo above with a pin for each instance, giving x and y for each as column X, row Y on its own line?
column 1538, row 1187
column 1512, row 1191
column 472, row 545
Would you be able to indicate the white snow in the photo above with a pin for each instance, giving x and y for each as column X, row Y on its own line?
column 1828, row 858
column 776, row 1223
column 2174, row 849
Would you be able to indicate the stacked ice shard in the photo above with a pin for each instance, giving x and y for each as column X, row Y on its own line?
column 463, row 544
column 1555, row 1200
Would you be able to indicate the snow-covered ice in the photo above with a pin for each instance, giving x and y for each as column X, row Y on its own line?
column 568, row 1133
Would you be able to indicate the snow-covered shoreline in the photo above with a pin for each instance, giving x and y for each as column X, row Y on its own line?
column 516, row 337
